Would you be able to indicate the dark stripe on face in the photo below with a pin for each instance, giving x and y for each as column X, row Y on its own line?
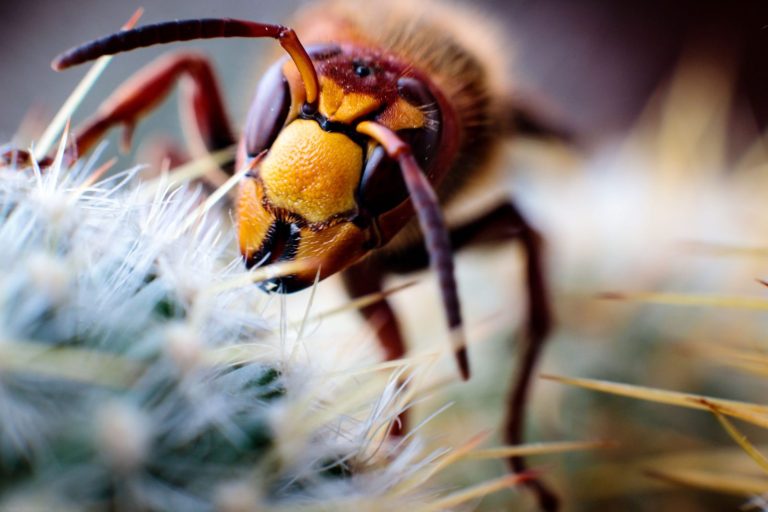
column 280, row 244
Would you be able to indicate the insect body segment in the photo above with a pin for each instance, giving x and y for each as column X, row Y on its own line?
column 313, row 173
column 324, row 183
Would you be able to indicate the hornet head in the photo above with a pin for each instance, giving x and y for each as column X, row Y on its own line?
column 321, row 188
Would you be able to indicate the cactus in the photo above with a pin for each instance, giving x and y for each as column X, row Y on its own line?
column 136, row 372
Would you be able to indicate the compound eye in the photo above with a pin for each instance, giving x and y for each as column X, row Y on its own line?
column 415, row 92
column 382, row 187
column 424, row 141
column 269, row 110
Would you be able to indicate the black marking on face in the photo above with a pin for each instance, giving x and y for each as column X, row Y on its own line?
column 281, row 243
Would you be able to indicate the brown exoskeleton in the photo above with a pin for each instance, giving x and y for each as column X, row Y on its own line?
column 357, row 143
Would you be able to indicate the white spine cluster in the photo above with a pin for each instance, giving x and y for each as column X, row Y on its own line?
column 132, row 376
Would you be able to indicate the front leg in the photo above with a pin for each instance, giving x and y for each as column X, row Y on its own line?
column 503, row 223
column 365, row 278
column 151, row 85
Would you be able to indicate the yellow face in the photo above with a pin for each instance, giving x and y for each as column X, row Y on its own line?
column 301, row 202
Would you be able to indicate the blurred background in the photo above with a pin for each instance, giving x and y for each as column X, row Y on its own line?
column 599, row 61
column 665, row 195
